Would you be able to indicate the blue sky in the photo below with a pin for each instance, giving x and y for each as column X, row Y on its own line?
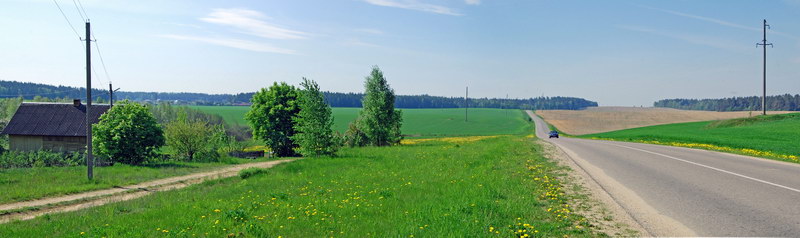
column 615, row 52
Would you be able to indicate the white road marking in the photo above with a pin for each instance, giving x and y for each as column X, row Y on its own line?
column 714, row 168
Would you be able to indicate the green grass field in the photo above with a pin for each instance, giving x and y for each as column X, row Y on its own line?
column 498, row 186
column 416, row 122
column 32, row 183
column 772, row 136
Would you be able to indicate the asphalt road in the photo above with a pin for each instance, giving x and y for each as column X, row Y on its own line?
column 674, row 191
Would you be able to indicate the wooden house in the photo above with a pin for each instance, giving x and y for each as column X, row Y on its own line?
column 57, row 127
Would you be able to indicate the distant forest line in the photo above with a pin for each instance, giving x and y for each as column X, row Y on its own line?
column 44, row 92
column 786, row 102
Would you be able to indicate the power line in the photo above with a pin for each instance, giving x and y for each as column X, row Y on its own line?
column 96, row 45
column 84, row 16
column 79, row 11
column 102, row 62
column 82, row 9
column 66, row 18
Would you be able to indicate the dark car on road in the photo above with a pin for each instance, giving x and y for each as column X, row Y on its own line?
column 553, row 134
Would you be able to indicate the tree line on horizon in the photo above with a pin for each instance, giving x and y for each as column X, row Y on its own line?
column 785, row 102
column 43, row 92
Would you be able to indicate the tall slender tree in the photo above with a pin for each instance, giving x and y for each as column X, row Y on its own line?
column 378, row 120
column 313, row 123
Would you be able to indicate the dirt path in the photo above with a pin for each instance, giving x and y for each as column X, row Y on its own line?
column 99, row 197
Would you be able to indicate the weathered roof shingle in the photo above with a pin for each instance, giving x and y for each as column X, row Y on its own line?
column 52, row 119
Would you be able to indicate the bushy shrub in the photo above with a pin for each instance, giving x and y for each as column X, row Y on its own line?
column 128, row 134
column 246, row 173
column 22, row 159
column 355, row 137
column 271, row 115
column 196, row 141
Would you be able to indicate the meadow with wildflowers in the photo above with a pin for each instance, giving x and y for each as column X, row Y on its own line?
column 474, row 186
column 771, row 136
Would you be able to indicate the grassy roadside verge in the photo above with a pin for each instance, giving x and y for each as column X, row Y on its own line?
column 22, row 184
column 485, row 186
column 771, row 136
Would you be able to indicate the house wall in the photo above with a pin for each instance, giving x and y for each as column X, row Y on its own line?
column 25, row 143
column 64, row 143
column 50, row 143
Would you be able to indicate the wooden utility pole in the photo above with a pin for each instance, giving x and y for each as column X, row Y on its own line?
column 466, row 106
column 89, row 156
column 111, row 94
column 764, row 45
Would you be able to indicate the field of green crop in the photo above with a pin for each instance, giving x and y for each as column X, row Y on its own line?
column 416, row 122
column 772, row 136
column 473, row 186
column 31, row 183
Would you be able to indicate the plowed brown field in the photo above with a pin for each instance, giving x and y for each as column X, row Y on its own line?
column 603, row 119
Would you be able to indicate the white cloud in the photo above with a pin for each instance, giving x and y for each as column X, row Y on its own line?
column 694, row 39
column 233, row 43
column 250, row 22
column 415, row 5
column 473, row 2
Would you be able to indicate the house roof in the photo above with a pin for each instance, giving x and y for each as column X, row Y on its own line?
column 52, row 119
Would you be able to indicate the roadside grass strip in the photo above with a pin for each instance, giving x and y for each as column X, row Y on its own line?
column 741, row 151
column 496, row 186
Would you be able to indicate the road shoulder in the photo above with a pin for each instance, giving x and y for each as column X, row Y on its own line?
column 599, row 208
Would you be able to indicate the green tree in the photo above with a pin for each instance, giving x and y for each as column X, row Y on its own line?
column 313, row 123
column 271, row 115
column 378, row 119
column 190, row 138
column 128, row 134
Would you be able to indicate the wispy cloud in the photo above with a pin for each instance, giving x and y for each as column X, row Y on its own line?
column 183, row 25
column 370, row 31
column 358, row 42
column 233, row 43
column 706, row 19
column 693, row 39
column 473, row 2
column 251, row 22
column 417, row 6
column 719, row 22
